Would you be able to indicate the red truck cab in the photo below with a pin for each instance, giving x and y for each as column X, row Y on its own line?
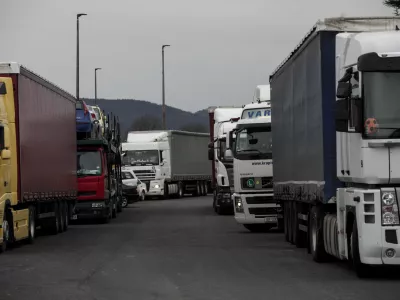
column 97, row 192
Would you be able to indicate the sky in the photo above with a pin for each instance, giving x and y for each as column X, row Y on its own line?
column 220, row 49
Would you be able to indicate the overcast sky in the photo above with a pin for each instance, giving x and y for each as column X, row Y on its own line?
column 220, row 49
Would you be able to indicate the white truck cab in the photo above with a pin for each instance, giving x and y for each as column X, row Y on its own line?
column 254, row 204
column 222, row 167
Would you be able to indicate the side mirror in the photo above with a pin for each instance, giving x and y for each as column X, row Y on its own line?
column 5, row 154
column 210, row 145
column 210, row 154
column 228, row 154
column 343, row 90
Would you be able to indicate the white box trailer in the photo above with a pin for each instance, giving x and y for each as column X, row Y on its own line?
column 171, row 163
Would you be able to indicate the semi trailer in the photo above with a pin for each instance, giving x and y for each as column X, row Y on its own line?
column 37, row 153
column 336, row 140
column 171, row 163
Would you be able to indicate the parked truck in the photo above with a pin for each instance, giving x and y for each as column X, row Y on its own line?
column 37, row 151
column 170, row 163
column 221, row 122
column 254, row 204
column 336, row 140
column 99, row 175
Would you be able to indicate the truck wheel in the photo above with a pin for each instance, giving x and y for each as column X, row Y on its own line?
column 32, row 225
column 258, row 227
column 362, row 270
column 114, row 209
column 61, row 216
column 215, row 201
column 286, row 220
column 119, row 205
column 316, row 235
column 300, row 239
column 201, row 188
column 290, row 221
column 124, row 202
column 66, row 216
column 54, row 223
column 6, row 231
column 180, row 190
column 204, row 188
column 166, row 195
column 198, row 189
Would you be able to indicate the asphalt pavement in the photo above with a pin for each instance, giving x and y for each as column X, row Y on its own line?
column 176, row 249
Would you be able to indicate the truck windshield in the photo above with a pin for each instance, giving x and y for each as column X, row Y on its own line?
column 89, row 163
column 254, row 143
column 141, row 157
column 381, row 92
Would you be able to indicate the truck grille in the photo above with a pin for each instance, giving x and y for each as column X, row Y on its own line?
column 260, row 199
column 262, row 211
column 145, row 174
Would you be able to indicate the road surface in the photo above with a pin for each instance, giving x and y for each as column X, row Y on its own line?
column 176, row 249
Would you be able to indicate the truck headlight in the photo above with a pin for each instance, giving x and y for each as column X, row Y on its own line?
column 390, row 209
column 156, row 186
column 239, row 205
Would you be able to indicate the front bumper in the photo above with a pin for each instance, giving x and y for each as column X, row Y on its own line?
column 260, row 213
column 373, row 248
column 85, row 209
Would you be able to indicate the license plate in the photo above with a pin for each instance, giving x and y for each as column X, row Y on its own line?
column 270, row 220
column 74, row 217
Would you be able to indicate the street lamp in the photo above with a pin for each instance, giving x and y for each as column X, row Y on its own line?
column 95, row 85
column 163, row 88
column 77, row 54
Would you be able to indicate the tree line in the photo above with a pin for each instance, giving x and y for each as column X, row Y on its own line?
column 150, row 122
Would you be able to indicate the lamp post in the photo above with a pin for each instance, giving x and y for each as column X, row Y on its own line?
column 95, row 85
column 163, row 88
column 77, row 53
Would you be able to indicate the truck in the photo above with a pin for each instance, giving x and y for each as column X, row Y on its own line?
column 253, row 199
column 222, row 169
column 336, row 141
column 99, row 175
column 37, row 151
column 171, row 163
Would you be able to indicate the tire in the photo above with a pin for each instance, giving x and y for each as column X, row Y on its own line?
column 32, row 225
column 215, row 201
column 286, row 221
column 316, row 235
column 62, row 216
column 201, row 188
column 6, row 231
column 362, row 270
column 67, row 215
column 119, row 205
column 124, row 202
column 54, row 225
column 113, row 209
column 180, row 190
column 165, row 196
column 289, row 219
column 198, row 189
column 204, row 188
column 142, row 196
column 300, row 239
column 107, row 218
column 257, row 228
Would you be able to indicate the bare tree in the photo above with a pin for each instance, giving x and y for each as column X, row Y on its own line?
column 395, row 4
column 146, row 122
